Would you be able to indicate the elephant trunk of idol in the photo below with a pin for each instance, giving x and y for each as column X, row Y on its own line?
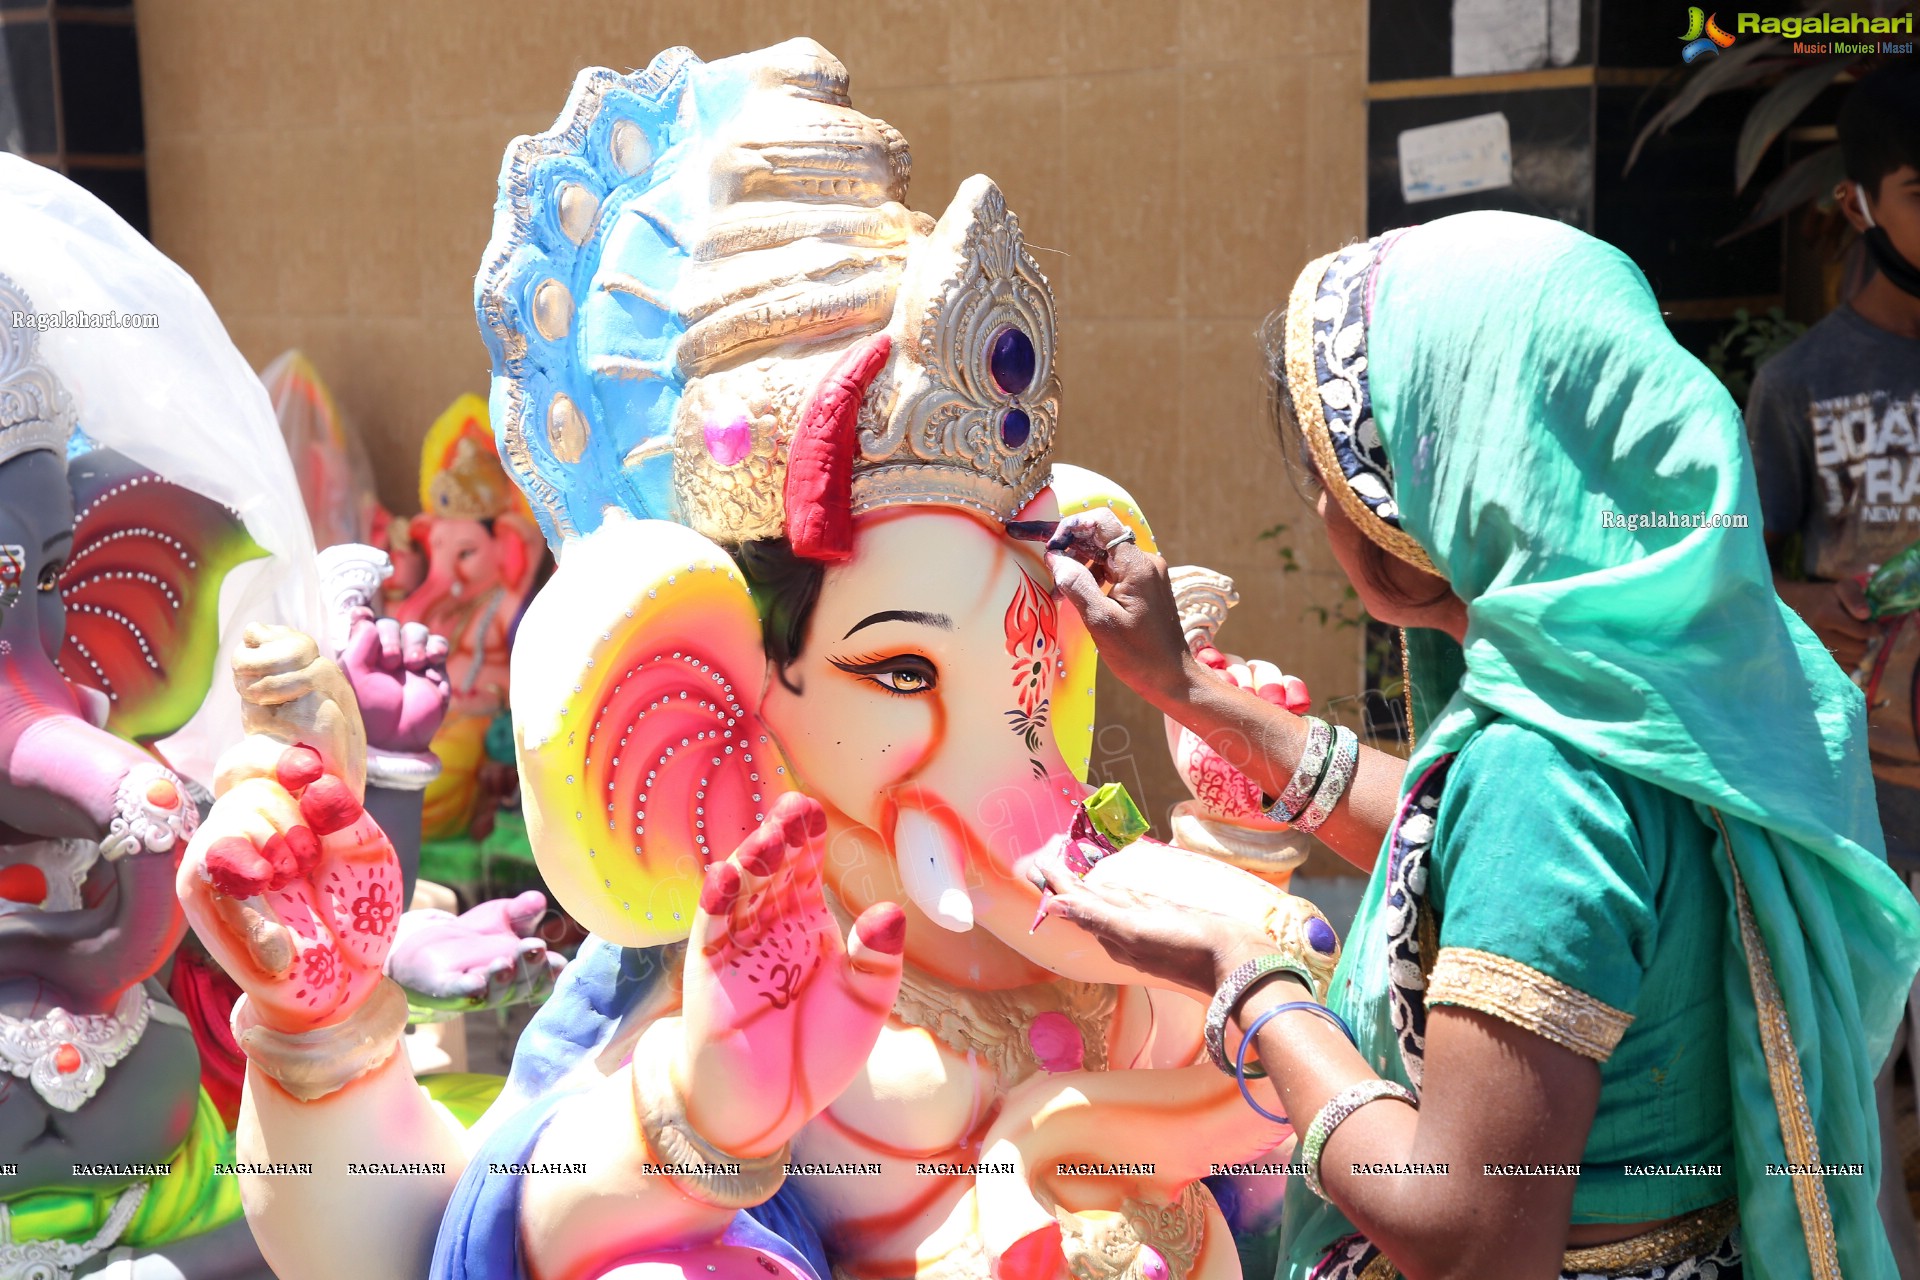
column 142, row 929
column 58, row 771
column 933, row 868
column 59, row 775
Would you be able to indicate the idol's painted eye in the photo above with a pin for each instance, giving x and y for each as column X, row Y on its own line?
column 902, row 674
column 50, row 578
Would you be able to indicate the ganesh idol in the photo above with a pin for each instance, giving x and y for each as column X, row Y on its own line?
column 794, row 716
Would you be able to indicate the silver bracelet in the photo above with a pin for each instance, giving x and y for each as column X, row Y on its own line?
column 1313, row 762
column 1239, row 984
column 1338, row 1108
column 695, row 1167
column 313, row 1064
column 1340, row 771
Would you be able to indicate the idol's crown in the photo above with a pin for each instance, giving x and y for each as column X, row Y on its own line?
column 684, row 259
column 35, row 410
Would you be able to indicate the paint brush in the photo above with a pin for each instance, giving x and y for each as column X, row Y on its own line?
column 1032, row 530
column 1040, row 916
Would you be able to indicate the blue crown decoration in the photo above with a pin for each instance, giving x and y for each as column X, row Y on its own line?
column 587, row 247
column 682, row 259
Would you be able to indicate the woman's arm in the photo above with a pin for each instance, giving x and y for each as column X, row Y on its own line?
column 1266, row 742
column 1136, row 627
column 1492, row 1095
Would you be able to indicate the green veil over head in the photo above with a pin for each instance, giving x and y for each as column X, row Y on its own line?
column 1539, row 439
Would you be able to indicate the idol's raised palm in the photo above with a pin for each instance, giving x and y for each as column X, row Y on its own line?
column 780, row 1012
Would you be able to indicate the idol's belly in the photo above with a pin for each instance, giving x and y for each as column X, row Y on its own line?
column 917, row 1112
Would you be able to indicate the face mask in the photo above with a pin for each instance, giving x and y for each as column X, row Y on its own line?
column 1903, row 274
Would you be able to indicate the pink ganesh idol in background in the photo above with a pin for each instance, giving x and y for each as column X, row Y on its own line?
column 482, row 557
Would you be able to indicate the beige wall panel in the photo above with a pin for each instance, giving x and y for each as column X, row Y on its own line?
column 326, row 169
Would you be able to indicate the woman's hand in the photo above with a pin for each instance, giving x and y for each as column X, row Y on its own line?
column 1135, row 624
column 1126, row 903
column 779, row 1012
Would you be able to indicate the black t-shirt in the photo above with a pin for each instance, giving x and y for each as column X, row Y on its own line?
column 1835, row 425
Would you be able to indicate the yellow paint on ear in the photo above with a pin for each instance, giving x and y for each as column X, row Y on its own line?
column 636, row 683
column 1075, row 489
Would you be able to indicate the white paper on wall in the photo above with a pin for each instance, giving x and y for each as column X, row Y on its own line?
column 1491, row 37
column 1450, row 159
column 1563, row 32
column 1495, row 36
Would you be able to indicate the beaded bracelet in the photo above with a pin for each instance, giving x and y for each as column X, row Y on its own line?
column 1338, row 1108
column 1240, row 1061
column 1239, row 984
column 1340, row 771
column 1313, row 763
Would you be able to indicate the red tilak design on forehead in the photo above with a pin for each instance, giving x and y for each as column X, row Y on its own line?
column 820, row 463
column 1033, row 627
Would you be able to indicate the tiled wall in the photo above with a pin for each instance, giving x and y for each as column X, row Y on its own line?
column 326, row 169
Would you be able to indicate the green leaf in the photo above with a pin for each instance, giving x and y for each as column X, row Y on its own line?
column 1777, row 109
column 1731, row 70
column 1807, row 178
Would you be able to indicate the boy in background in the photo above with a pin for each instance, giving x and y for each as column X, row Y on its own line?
column 1835, row 424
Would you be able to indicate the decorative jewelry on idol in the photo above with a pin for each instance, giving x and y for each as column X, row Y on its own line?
column 1338, row 1108
column 57, row 1259
column 66, row 1056
column 313, row 1064
column 152, row 813
column 35, row 410
column 1313, row 763
column 698, row 1170
column 1340, row 770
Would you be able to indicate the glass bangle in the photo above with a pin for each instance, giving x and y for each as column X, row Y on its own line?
column 1246, row 1041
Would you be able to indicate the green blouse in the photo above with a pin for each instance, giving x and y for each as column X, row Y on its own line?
column 1583, row 905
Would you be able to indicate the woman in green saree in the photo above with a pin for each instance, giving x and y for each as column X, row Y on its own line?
column 1629, row 913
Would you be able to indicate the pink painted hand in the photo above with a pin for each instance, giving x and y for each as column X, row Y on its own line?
column 399, row 676
column 780, row 1012
column 486, row 958
column 295, row 890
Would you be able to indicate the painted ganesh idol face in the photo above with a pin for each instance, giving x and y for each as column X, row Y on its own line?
column 924, row 706
column 918, row 711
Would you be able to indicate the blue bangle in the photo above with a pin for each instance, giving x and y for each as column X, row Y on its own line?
column 1240, row 1059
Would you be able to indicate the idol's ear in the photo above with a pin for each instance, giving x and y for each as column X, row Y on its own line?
column 142, row 592
column 1071, row 491
column 637, row 674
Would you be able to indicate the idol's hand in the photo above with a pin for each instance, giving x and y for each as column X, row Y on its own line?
column 1219, row 783
column 295, row 891
column 399, row 677
column 779, row 1012
column 1181, row 917
column 486, row 958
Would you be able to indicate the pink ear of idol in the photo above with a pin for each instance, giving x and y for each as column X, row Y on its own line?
column 820, row 463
